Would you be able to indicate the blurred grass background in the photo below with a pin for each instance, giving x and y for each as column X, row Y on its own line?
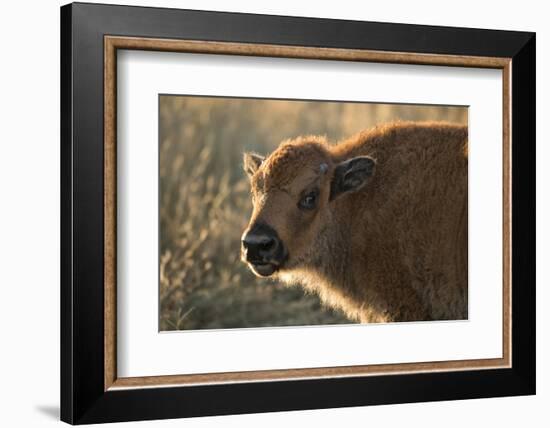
column 205, row 203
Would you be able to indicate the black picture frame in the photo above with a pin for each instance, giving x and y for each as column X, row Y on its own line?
column 83, row 398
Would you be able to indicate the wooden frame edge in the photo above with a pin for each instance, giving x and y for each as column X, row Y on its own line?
column 301, row 52
column 109, row 196
column 112, row 43
column 507, row 213
column 309, row 373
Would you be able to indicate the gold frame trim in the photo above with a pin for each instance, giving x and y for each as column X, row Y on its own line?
column 112, row 43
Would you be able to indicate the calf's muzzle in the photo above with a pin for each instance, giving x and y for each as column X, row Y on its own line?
column 262, row 249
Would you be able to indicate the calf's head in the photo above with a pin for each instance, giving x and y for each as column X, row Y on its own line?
column 293, row 192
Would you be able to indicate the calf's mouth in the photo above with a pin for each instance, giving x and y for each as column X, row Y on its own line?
column 264, row 269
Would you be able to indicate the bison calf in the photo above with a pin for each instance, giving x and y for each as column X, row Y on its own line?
column 377, row 225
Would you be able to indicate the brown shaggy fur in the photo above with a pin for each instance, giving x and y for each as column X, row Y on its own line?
column 395, row 250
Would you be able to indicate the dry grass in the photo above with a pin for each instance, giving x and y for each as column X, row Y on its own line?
column 205, row 203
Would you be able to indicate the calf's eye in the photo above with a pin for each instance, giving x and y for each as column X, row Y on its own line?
column 309, row 201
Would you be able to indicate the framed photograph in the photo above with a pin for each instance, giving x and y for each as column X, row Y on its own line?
column 266, row 213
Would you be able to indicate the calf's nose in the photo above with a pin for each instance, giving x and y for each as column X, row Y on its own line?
column 260, row 244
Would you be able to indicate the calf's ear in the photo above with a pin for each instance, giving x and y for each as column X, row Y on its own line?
column 351, row 175
column 251, row 163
